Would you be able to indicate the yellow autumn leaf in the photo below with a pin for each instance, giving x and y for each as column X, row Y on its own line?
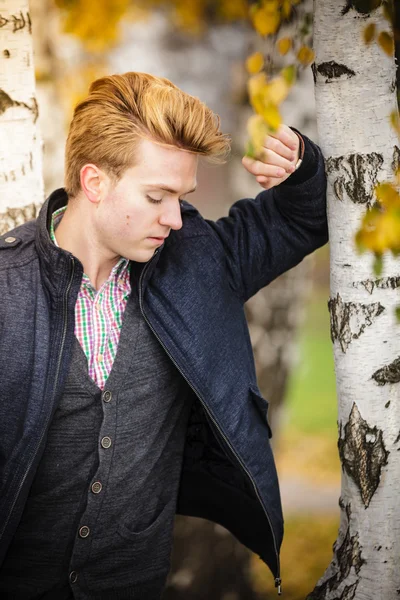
column 305, row 55
column 272, row 116
column 258, row 130
column 276, row 91
column 256, row 88
column 385, row 40
column 369, row 236
column 369, row 33
column 395, row 121
column 284, row 45
column 286, row 8
column 96, row 24
column 256, row 83
column 232, row 10
column 387, row 195
column 266, row 19
column 255, row 62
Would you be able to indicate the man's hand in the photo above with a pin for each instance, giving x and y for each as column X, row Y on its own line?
column 279, row 158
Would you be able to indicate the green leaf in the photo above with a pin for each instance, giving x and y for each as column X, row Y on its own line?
column 289, row 74
column 378, row 265
column 397, row 313
column 250, row 150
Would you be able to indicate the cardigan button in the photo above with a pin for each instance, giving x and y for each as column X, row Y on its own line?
column 96, row 487
column 84, row 531
column 107, row 396
column 106, row 442
column 73, row 577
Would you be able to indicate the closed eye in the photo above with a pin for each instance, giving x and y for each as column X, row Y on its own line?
column 155, row 201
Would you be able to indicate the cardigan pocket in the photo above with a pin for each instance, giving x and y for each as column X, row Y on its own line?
column 149, row 550
column 161, row 521
column 262, row 406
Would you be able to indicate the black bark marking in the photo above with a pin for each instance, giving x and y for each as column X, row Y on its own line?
column 314, row 71
column 349, row 319
column 7, row 102
column 383, row 283
column 396, row 159
column 365, row 7
column 397, row 439
column 363, row 454
column 6, row 53
column 388, row 374
column 347, row 554
column 349, row 592
column 387, row 404
column 356, row 175
column 17, row 216
column 18, row 22
column 332, row 70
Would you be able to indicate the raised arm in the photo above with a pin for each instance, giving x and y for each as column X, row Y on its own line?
column 264, row 237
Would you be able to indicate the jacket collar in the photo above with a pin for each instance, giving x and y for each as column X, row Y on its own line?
column 55, row 262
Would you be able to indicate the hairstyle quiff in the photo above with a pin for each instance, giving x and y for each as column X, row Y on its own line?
column 121, row 109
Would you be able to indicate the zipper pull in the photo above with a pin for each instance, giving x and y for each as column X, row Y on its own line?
column 278, row 584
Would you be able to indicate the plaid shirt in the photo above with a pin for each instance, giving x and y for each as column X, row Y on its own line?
column 98, row 314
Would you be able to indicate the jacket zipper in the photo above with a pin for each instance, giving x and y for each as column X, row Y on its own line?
column 65, row 312
column 278, row 580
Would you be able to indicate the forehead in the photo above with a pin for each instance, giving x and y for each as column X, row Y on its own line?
column 172, row 166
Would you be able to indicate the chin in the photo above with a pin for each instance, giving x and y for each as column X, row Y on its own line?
column 140, row 256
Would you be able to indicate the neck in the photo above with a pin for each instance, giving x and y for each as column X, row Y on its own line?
column 76, row 234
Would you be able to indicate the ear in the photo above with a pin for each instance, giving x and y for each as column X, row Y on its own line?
column 94, row 182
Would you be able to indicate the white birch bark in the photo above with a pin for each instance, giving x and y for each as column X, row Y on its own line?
column 21, row 183
column 48, row 40
column 355, row 94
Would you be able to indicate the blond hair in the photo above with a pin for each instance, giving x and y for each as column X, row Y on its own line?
column 121, row 109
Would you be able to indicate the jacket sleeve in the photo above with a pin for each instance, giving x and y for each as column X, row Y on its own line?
column 265, row 236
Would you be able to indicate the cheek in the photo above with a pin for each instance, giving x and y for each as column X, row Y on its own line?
column 137, row 222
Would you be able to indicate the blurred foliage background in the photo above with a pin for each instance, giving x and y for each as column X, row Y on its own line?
column 202, row 46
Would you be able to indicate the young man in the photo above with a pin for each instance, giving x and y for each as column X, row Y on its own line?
column 128, row 389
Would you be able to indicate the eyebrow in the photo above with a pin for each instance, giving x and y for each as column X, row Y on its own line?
column 168, row 189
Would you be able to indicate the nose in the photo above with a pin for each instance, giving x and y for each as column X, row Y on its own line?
column 171, row 217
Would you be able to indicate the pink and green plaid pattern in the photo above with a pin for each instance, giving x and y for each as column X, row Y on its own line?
column 98, row 314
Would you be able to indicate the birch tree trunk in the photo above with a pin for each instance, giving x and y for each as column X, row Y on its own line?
column 355, row 93
column 21, row 182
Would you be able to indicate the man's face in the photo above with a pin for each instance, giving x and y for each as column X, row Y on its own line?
column 145, row 203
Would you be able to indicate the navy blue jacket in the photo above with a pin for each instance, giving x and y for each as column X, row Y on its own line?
column 192, row 293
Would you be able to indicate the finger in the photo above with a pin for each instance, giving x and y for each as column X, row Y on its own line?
column 266, row 182
column 269, row 182
column 256, row 167
column 277, row 146
column 287, row 137
column 272, row 158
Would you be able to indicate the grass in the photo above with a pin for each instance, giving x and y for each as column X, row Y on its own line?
column 311, row 396
column 306, row 553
